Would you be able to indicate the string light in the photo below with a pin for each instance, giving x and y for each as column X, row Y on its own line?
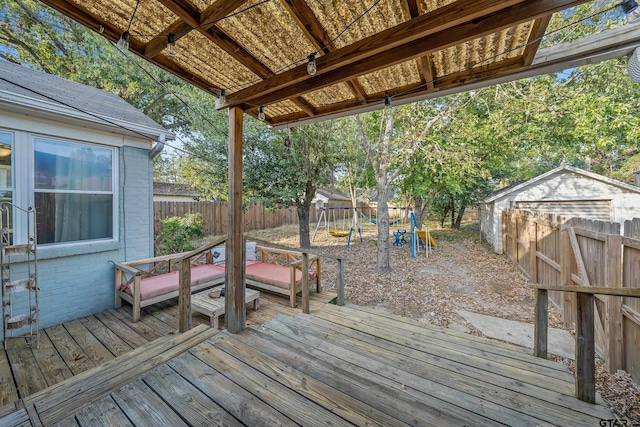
column 222, row 99
column 123, row 42
column 171, row 44
column 261, row 115
column 387, row 100
column 631, row 9
column 312, row 67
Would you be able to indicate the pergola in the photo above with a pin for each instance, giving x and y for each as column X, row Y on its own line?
column 290, row 62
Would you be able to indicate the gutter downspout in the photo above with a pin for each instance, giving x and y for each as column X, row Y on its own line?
column 156, row 149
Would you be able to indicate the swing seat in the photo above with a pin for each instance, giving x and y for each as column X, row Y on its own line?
column 337, row 233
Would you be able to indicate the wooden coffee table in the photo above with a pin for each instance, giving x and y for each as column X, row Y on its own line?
column 201, row 302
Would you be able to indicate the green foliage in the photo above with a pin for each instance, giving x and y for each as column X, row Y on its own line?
column 178, row 233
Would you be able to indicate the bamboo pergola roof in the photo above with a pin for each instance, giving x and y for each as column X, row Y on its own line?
column 256, row 51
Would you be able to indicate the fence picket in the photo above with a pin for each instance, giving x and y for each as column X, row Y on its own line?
column 214, row 215
column 607, row 259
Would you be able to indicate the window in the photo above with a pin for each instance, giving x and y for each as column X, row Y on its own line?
column 73, row 191
column 6, row 181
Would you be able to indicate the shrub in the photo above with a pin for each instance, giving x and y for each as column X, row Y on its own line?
column 178, row 232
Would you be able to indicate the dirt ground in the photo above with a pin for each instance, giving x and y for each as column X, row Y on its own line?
column 460, row 273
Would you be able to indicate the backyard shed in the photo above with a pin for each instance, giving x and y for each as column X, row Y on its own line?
column 330, row 198
column 565, row 190
column 83, row 158
column 174, row 192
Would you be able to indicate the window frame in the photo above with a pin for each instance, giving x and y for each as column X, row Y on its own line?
column 32, row 190
column 23, row 187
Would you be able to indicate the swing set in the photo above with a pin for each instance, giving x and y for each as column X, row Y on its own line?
column 328, row 215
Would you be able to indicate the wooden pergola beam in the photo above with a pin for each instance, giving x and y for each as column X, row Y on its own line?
column 318, row 36
column 425, row 65
column 535, row 38
column 183, row 10
column 607, row 45
column 356, row 59
column 428, row 24
column 110, row 32
column 217, row 11
column 190, row 19
column 240, row 54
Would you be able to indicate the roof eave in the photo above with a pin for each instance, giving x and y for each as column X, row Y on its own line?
column 53, row 111
column 564, row 168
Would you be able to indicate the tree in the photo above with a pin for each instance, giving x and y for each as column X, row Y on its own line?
column 387, row 153
column 284, row 169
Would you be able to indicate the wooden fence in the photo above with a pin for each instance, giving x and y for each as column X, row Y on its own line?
column 556, row 251
column 214, row 215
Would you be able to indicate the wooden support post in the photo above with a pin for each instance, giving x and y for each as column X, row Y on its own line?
column 136, row 297
column 585, row 348
column 118, row 300
column 514, row 239
column 340, row 299
column 305, row 283
column 613, row 324
column 533, row 251
column 235, row 315
column 541, row 327
column 505, row 229
column 568, row 298
column 184, row 296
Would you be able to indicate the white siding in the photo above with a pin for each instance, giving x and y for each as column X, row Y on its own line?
column 580, row 195
column 591, row 209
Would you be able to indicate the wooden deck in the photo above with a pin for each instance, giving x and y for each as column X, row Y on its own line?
column 338, row 366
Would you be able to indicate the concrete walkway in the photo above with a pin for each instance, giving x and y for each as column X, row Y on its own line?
column 560, row 342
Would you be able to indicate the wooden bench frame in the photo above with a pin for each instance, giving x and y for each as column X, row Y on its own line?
column 130, row 273
column 288, row 260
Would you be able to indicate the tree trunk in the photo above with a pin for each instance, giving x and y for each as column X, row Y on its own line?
column 459, row 216
column 453, row 212
column 444, row 217
column 420, row 210
column 383, row 229
column 303, row 224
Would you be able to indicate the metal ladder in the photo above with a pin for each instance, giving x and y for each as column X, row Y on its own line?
column 19, row 271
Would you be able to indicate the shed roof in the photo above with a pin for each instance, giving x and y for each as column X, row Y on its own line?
column 498, row 194
column 257, row 50
column 174, row 189
column 332, row 194
column 22, row 87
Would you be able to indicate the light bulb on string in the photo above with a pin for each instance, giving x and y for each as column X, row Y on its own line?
column 387, row 101
column 222, row 99
column 631, row 9
column 312, row 67
column 171, row 45
column 261, row 115
column 123, row 42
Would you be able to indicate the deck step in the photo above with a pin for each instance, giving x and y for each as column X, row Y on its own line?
column 16, row 286
column 55, row 403
column 18, row 249
column 17, row 322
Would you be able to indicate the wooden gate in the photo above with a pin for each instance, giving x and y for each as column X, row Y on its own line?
column 594, row 253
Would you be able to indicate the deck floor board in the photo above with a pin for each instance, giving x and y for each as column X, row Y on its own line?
column 339, row 366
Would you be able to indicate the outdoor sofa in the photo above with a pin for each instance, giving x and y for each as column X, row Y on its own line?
column 148, row 281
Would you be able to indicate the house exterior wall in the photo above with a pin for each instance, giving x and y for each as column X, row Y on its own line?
column 77, row 279
column 564, row 186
